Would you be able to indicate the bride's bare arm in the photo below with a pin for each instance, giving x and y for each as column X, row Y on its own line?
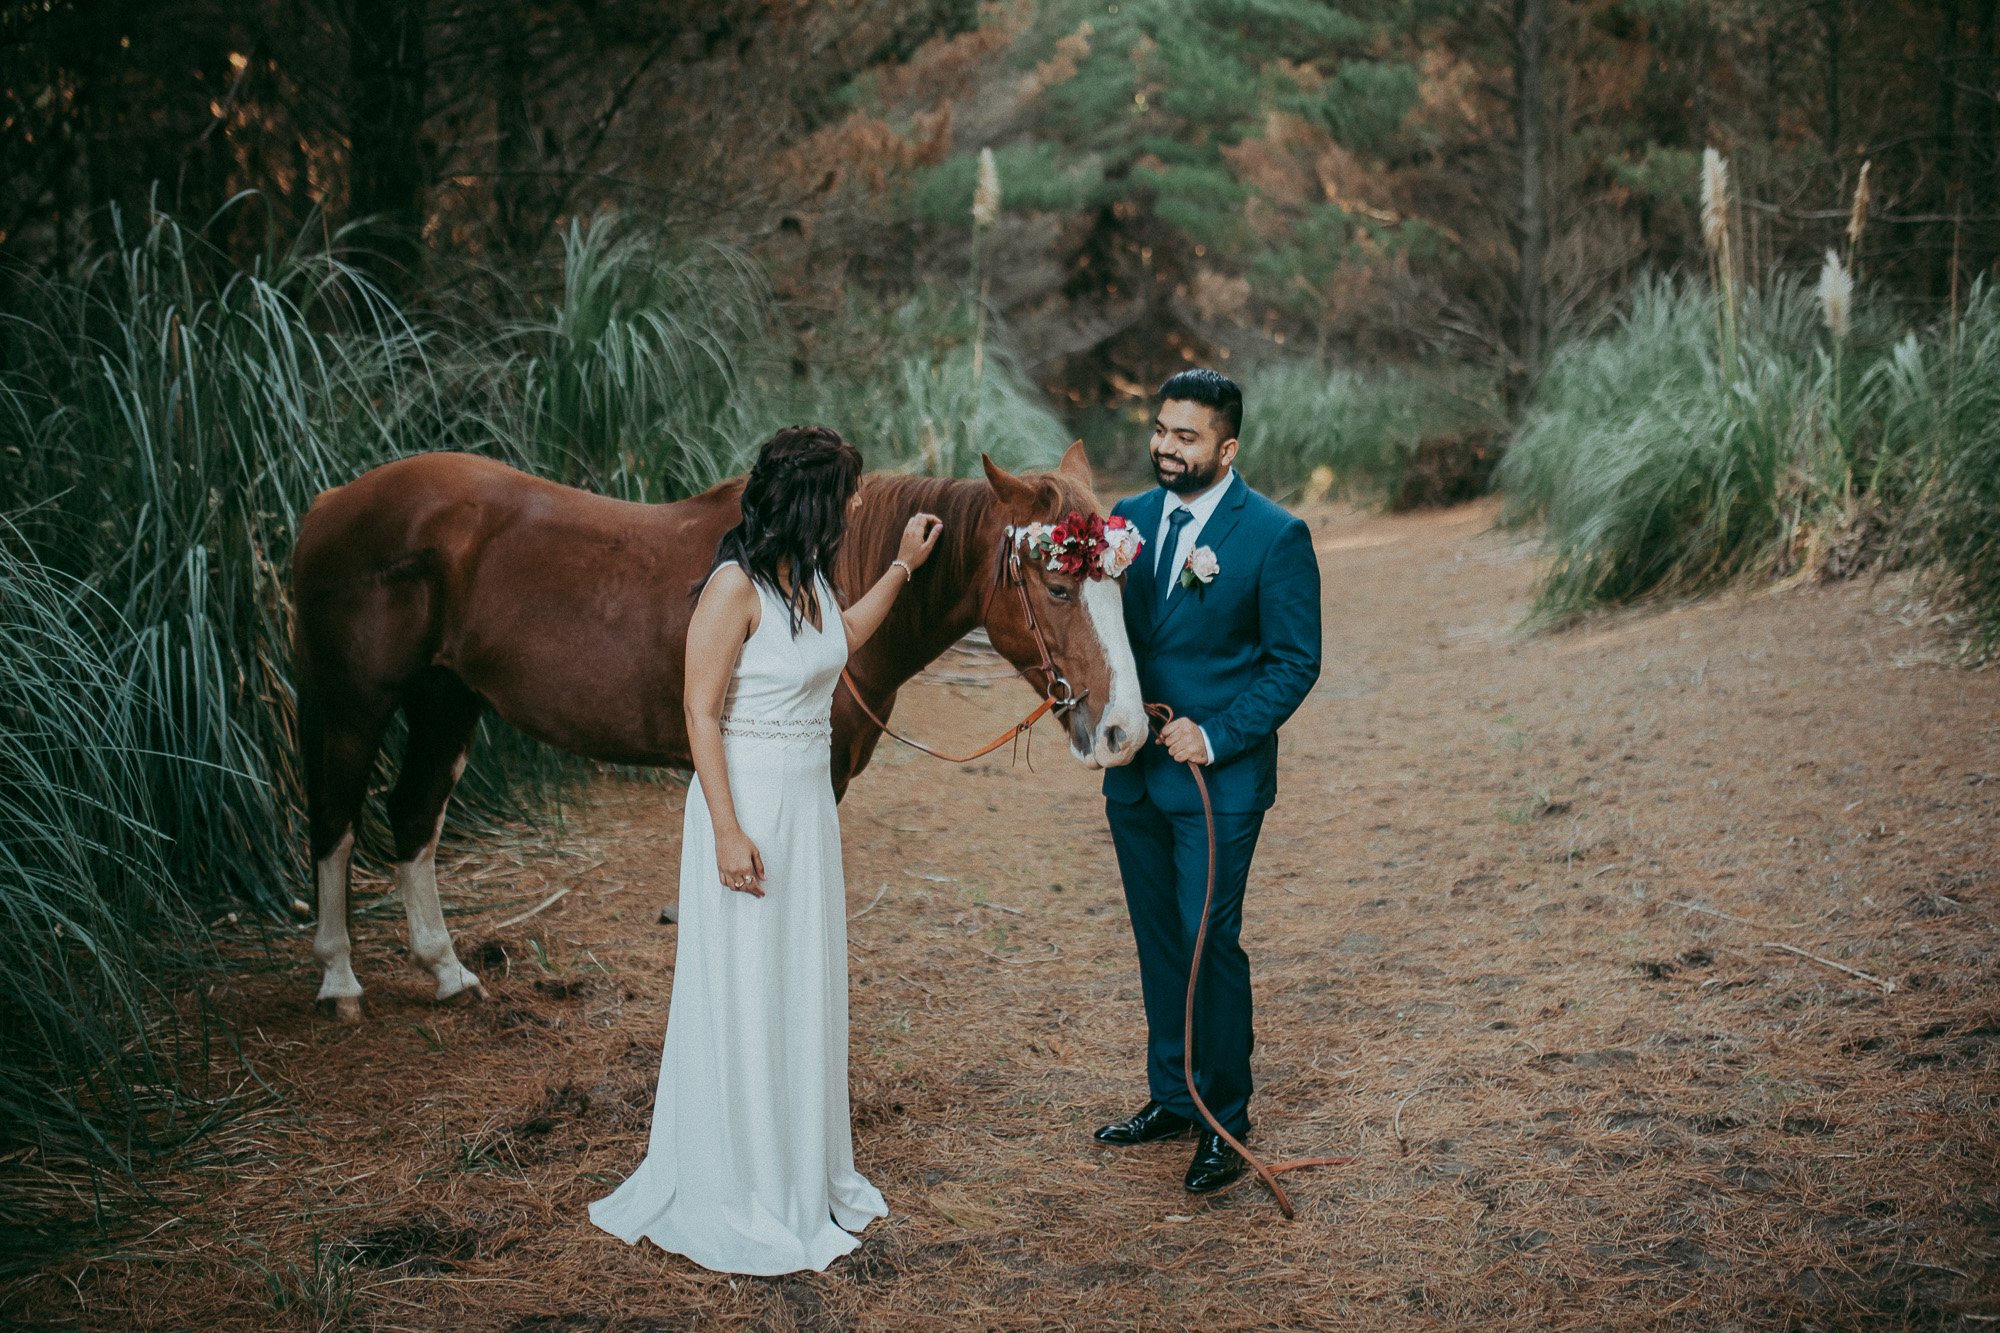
column 724, row 618
column 920, row 536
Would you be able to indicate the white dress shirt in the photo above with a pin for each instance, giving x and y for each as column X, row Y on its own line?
column 1202, row 506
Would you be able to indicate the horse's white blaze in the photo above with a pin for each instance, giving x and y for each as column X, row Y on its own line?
column 1125, row 711
column 430, row 938
column 330, row 943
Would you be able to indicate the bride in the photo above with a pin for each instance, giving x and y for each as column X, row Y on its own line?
column 750, row 1166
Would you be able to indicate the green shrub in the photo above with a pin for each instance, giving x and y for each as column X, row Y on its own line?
column 1035, row 178
column 899, row 382
column 1368, row 429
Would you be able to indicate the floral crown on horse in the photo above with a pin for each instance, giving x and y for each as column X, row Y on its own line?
column 1081, row 545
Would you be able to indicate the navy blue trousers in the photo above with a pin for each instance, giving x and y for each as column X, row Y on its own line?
column 1163, row 859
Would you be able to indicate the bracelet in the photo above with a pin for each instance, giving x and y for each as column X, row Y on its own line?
column 909, row 575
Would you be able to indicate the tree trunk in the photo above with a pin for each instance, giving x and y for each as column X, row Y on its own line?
column 387, row 78
column 513, row 188
column 1944, row 257
column 1530, row 42
column 1984, row 158
column 1772, row 101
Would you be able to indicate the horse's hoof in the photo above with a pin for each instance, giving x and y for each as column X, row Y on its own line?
column 341, row 1008
column 461, row 985
column 670, row 915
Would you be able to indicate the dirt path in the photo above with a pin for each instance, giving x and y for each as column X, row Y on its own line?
column 1510, row 929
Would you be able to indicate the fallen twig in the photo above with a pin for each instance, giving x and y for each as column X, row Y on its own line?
column 1711, row 911
column 1686, row 906
column 1888, row 987
column 546, row 903
column 1054, row 953
column 871, row 902
column 1396, row 1126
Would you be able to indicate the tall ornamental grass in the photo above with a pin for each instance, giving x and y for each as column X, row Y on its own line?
column 1665, row 456
column 173, row 418
column 98, row 932
column 1940, row 404
column 635, row 380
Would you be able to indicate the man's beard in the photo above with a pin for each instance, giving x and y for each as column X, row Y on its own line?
column 1191, row 481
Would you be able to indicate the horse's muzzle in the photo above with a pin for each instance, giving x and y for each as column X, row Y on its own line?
column 1109, row 742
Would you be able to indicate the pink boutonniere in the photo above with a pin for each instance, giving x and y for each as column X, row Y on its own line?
column 1199, row 568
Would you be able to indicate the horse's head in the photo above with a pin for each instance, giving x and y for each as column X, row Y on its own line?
column 1080, row 618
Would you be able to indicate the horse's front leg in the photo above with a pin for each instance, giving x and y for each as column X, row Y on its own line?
column 430, row 938
column 443, row 714
column 855, row 737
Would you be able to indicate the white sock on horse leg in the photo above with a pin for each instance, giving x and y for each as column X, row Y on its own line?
column 330, row 942
column 430, row 938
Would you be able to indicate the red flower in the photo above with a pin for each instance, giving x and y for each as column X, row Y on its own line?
column 1075, row 546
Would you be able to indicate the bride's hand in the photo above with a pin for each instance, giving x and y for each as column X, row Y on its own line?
column 920, row 535
column 739, row 863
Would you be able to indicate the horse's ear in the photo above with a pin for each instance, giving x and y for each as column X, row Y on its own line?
column 1017, row 496
column 1076, row 466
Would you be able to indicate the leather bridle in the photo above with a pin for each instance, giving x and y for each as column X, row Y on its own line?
column 1058, row 695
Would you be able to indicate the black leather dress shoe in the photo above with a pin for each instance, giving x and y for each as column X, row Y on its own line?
column 1215, row 1164
column 1153, row 1123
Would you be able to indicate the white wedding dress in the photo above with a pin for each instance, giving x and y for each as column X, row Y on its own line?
column 750, row 1167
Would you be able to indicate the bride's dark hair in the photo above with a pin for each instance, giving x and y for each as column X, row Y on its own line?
column 794, row 514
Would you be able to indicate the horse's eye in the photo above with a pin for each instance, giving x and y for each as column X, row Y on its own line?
column 1061, row 592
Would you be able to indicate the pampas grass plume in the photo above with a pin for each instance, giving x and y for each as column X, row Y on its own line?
column 1714, row 199
column 1836, row 294
column 986, row 195
column 1857, row 216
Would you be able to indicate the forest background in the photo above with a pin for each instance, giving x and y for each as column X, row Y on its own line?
column 1705, row 278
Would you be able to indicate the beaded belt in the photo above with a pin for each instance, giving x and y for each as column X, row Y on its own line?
column 779, row 728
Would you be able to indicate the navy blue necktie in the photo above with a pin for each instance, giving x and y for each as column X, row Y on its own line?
column 1164, row 568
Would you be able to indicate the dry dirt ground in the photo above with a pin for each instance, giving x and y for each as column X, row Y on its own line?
column 1544, row 931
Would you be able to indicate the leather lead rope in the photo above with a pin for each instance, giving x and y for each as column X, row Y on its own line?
column 1268, row 1173
column 1009, row 567
column 1017, row 729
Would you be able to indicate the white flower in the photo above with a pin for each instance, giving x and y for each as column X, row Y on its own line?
column 1202, row 566
column 1121, row 547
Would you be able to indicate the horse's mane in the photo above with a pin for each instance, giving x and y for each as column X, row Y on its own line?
column 888, row 500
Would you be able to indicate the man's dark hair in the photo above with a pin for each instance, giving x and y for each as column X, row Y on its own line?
column 1210, row 389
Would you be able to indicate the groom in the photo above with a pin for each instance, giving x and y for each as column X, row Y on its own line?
column 1223, row 611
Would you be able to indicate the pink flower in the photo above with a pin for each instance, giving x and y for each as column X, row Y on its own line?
column 1121, row 547
column 1201, row 567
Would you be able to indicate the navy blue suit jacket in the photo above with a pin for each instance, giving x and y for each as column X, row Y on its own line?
column 1238, row 655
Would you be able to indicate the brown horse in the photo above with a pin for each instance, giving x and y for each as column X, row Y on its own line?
column 446, row 584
